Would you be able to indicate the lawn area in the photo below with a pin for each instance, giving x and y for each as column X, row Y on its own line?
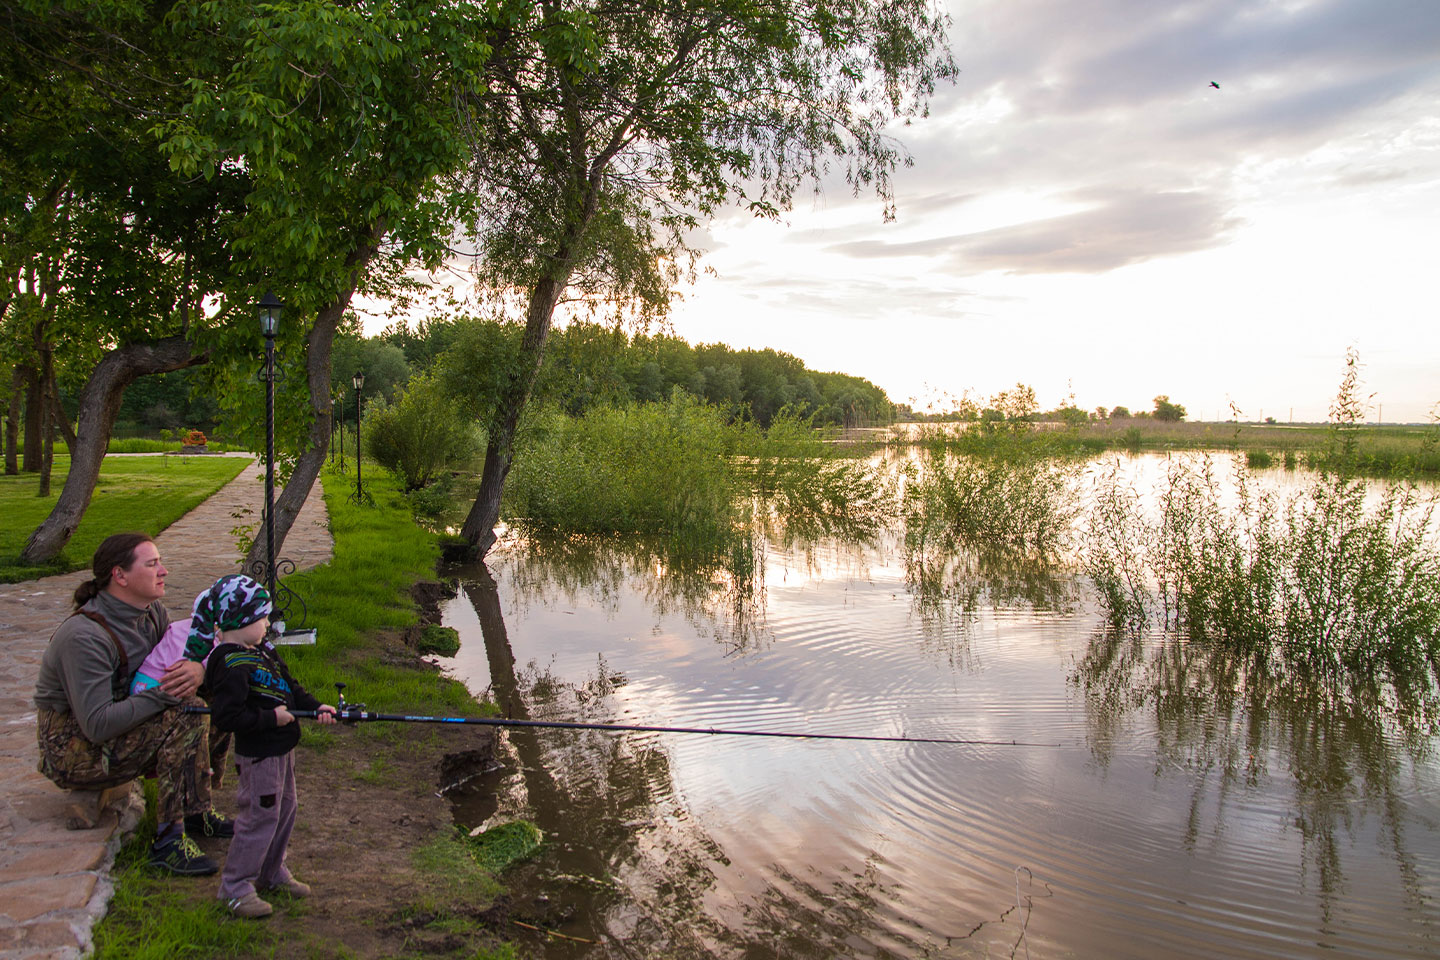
column 393, row 877
column 133, row 493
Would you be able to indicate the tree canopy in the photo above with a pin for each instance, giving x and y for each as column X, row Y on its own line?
column 611, row 128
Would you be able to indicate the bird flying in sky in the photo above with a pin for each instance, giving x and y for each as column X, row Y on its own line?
column 1214, row 84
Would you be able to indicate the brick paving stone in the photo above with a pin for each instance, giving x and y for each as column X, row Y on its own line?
column 30, row 898
column 40, row 939
column 54, row 882
column 59, row 859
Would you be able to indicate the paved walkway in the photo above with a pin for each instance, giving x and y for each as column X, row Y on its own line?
column 54, row 882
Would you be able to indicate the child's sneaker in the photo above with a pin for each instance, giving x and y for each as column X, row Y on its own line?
column 209, row 824
column 182, row 855
column 296, row 888
column 249, row 906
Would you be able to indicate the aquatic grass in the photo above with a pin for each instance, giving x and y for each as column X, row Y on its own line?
column 133, row 493
column 811, row 485
column 1336, row 589
column 1024, row 502
column 1113, row 546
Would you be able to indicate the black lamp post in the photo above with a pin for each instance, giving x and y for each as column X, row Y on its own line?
column 269, row 311
column 359, row 382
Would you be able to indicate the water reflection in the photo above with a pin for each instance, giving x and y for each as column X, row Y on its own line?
column 586, row 791
column 632, row 871
column 1233, row 728
column 725, row 598
column 1188, row 803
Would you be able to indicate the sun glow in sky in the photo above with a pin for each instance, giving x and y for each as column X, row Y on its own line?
column 1086, row 214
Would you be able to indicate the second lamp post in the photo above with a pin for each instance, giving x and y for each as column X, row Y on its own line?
column 359, row 382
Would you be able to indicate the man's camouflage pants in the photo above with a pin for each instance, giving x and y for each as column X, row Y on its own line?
column 172, row 746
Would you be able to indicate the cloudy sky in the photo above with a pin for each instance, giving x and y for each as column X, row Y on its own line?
column 1087, row 215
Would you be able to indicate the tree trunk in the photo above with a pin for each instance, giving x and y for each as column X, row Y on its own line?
column 12, row 423
column 99, row 406
column 47, row 442
column 50, row 415
column 317, row 373
column 30, row 452
column 479, row 526
column 60, row 418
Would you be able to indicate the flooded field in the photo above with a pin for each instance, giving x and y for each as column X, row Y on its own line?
column 1137, row 798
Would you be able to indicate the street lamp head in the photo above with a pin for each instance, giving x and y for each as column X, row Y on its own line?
column 358, row 380
column 269, row 310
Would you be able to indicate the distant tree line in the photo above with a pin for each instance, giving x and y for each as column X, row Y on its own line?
column 1018, row 403
column 591, row 364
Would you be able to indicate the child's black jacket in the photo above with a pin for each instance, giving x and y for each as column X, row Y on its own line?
column 246, row 684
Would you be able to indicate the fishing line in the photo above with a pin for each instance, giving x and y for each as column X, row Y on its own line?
column 349, row 713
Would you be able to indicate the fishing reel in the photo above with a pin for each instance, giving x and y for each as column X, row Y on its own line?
column 346, row 712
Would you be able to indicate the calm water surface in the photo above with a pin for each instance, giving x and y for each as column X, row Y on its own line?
column 1154, row 806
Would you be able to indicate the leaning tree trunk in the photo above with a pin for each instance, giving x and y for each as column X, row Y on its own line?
column 317, row 374
column 99, row 406
column 479, row 526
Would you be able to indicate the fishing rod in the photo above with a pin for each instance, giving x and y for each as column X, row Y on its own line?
column 356, row 713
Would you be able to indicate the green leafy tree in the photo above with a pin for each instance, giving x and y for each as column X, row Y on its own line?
column 420, row 434
column 106, row 257
column 1167, row 411
column 612, row 128
column 345, row 119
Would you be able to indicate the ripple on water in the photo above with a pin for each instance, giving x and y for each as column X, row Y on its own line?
column 1135, row 831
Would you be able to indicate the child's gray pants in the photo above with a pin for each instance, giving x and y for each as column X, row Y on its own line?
column 266, row 803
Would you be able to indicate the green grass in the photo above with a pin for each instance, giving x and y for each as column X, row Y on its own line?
column 133, row 493
column 451, row 861
column 147, row 922
column 505, row 845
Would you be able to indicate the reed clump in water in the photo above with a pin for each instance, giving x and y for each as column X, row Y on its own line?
column 681, row 470
column 1000, row 488
column 649, row 468
column 1332, row 586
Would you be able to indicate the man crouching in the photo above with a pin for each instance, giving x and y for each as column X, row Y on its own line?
column 94, row 733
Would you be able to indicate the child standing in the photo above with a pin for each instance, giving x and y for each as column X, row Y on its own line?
column 252, row 694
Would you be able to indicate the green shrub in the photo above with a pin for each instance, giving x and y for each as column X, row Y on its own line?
column 420, row 434
column 652, row 468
